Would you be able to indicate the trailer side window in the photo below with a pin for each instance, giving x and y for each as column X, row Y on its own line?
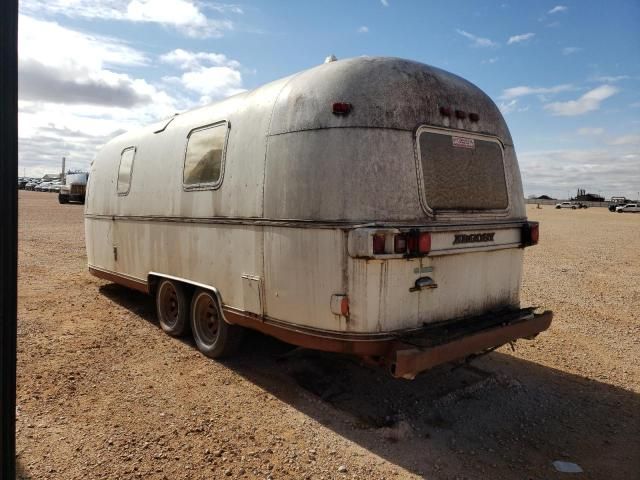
column 204, row 158
column 124, row 171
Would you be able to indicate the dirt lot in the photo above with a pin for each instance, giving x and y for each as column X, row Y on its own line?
column 103, row 393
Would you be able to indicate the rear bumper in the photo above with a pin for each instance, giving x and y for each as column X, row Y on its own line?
column 417, row 353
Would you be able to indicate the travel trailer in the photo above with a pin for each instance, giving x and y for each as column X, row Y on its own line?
column 370, row 206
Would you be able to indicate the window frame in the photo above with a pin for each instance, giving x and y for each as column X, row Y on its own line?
column 135, row 151
column 208, row 185
column 442, row 213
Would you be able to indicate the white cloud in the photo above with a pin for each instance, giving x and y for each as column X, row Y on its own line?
column 490, row 60
column 524, row 90
column 60, row 65
column 213, row 82
column 631, row 139
column 508, row 107
column 570, row 50
column 223, row 7
column 520, row 38
column 71, row 101
column 185, row 16
column 363, row 29
column 210, row 75
column 590, row 131
column 477, row 41
column 512, row 106
column 385, row 3
column 186, row 60
column 588, row 102
column 609, row 78
column 613, row 171
column 558, row 9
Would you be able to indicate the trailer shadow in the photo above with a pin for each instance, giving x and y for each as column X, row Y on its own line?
column 501, row 417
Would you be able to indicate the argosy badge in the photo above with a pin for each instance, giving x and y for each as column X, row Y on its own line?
column 463, row 142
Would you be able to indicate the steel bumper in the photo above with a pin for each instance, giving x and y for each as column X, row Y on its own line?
column 410, row 358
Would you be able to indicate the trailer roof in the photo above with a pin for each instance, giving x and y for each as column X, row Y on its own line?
column 384, row 92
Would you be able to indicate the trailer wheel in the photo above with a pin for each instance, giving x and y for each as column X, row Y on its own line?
column 172, row 306
column 63, row 198
column 214, row 337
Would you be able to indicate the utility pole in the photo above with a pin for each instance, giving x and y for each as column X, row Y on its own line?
column 62, row 175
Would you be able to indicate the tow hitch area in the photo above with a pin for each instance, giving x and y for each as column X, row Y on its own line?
column 445, row 343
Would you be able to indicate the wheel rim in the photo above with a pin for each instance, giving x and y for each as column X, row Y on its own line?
column 168, row 302
column 206, row 319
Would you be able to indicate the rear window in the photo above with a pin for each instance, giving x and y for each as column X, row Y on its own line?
column 203, row 164
column 462, row 172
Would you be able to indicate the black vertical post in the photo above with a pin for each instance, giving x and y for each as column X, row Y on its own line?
column 8, row 234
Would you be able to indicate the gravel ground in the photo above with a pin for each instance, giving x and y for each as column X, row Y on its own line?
column 103, row 393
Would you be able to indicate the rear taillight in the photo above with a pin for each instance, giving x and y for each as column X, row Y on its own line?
column 412, row 243
column 530, row 234
column 378, row 244
column 424, row 242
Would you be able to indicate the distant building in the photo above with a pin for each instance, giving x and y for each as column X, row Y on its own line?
column 51, row 176
column 588, row 197
column 545, row 197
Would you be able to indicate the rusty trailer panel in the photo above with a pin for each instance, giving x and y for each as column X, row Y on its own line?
column 408, row 362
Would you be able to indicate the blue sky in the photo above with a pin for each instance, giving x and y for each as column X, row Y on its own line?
column 566, row 75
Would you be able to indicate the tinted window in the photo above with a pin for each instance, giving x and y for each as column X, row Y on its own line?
column 205, row 152
column 124, row 172
column 462, row 173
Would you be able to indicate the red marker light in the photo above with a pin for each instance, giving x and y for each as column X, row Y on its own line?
column 461, row 114
column 534, row 234
column 445, row 111
column 474, row 117
column 424, row 242
column 344, row 306
column 530, row 234
column 378, row 244
column 341, row 108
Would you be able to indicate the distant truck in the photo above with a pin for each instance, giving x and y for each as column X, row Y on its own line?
column 617, row 202
column 74, row 189
column 567, row 205
column 629, row 207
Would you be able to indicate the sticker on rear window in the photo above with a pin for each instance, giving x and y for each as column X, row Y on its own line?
column 463, row 142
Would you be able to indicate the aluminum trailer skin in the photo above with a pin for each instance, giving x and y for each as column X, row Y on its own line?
column 371, row 205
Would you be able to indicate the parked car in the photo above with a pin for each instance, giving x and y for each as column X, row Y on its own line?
column 42, row 187
column 31, row 185
column 566, row 205
column 392, row 228
column 55, row 187
column 629, row 207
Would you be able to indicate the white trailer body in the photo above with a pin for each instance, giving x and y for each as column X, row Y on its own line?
column 342, row 208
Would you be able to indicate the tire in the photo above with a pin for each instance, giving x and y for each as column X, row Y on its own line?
column 172, row 306
column 558, row 208
column 573, row 208
column 63, row 198
column 214, row 337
